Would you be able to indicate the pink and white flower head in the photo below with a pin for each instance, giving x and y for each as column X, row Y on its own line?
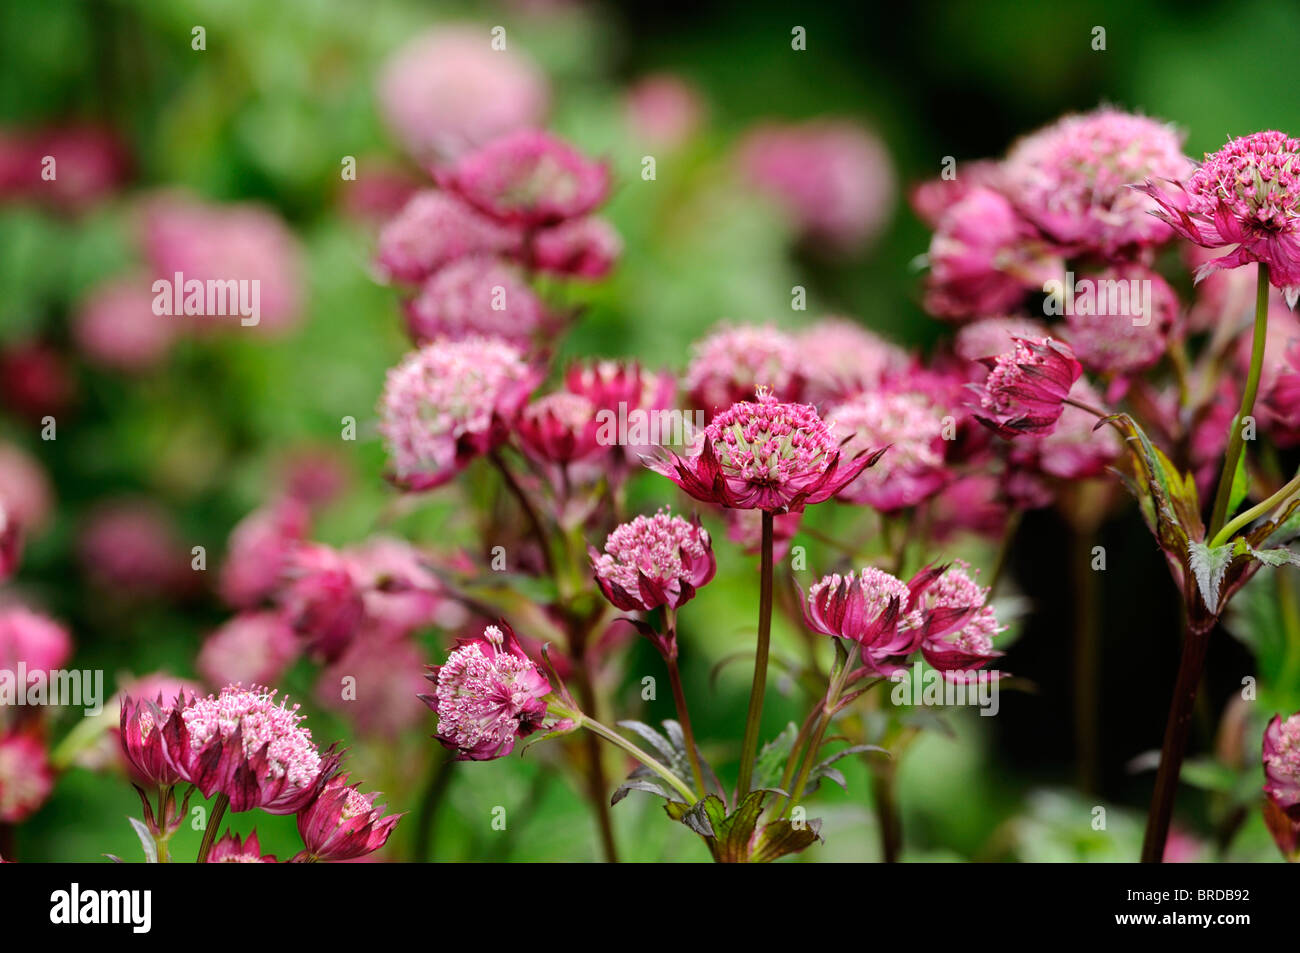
column 33, row 639
column 664, row 110
column 434, row 229
column 767, row 455
column 745, row 529
column 11, row 542
column 132, row 546
column 448, row 403
column 116, row 327
column 386, row 668
column 1245, row 195
column 578, row 248
column 987, row 336
column 143, row 711
column 1113, row 336
column 24, row 488
column 321, row 600
column 1077, row 449
column 654, row 561
column 475, row 296
column 833, row 178
column 259, row 549
column 931, row 200
column 252, row 648
column 560, row 428
column 839, row 358
column 528, row 178
column 912, row 425
column 1026, row 387
column 343, row 824
column 733, row 362
column 231, row 849
column 1282, row 763
column 985, row 259
column 246, row 745
column 26, row 778
column 488, row 694
column 1072, row 179
column 401, row 592
column 448, row 90
column 957, row 626
column 623, row 389
column 866, row 608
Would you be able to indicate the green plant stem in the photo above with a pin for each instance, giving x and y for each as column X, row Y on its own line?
column 434, row 788
column 749, row 747
column 679, row 699
column 680, row 786
column 1245, row 519
column 886, row 804
column 214, row 823
column 838, row 674
column 1236, row 441
column 597, row 783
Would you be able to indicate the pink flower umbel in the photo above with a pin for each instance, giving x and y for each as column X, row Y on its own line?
column 251, row 648
column 1077, row 448
column 560, row 428
column 249, row 747
column 957, row 626
column 230, row 849
column 448, row 403
column 142, row 716
column 911, row 424
column 733, row 362
column 839, row 358
column 321, row 599
column 580, row 248
column 1072, row 179
column 432, row 230
column 1026, row 388
column 766, row 455
column 33, row 639
column 1282, row 784
column 528, row 178
column 476, row 296
column 116, row 327
column 866, row 608
column 259, row 549
column 1248, row 195
column 654, row 561
column 489, row 693
column 26, row 777
column 343, row 824
column 1111, row 337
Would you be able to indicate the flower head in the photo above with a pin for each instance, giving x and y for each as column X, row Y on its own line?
column 116, row 326
column 230, row 849
column 579, row 248
column 260, row 546
column 1114, row 336
column 839, row 358
column 142, row 714
column 1282, row 762
column 654, row 561
column 528, row 178
column 448, row 403
column 488, row 694
column 343, row 824
column 321, row 599
column 475, row 296
column 911, row 424
column 1026, row 387
column 434, row 229
column 767, row 455
column 733, row 362
column 35, row 640
column 386, row 668
column 1076, row 449
column 864, row 607
column 26, row 777
column 956, row 626
column 252, row 648
column 1072, row 178
column 1247, row 194
column 560, row 428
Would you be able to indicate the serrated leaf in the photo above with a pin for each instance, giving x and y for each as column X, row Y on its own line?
column 1275, row 557
column 770, row 764
column 1209, row 565
column 146, row 840
column 824, row 770
column 651, row 737
column 783, row 837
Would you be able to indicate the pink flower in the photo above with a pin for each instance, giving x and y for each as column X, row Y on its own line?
column 35, row 380
column 931, row 200
column 250, row 748
column 579, row 248
column 252, row 648
column 664, row 110
column 833, row 178
column 448, row 90
column 1247, row 194
column 654, row 561
column 26, row 778
column 528, row 178
column 24, row 488
column 911, row 424
column 1027, row 387
column 400, row 590
column 116, row 326
column 957, row 627
column 839, row 358
column 143, row 712
column 488, row 694
column 259, row 548
column 230, row 849
column 1282, row 762
column 449, row 402
column 37, row 641
column 622, row 389
column 1281, row 405
column 865, row 608
column 1072, row 179
column 560, row 428
column 764, row 455
column 475, row 296
column 434, row 229
column 131, row 546
column 1077, row 448
column 343, row 824
column 375, row 682
column 321, row 599
column 90, row 163
column 733, row 362
column 1111, row 336
column 985, row 259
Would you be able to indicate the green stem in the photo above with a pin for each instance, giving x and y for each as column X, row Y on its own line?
column 644, row 757
column 1252, row 514
column 749, row 747
column 684, row 717
column 214, row 823
column 1236, row 441
column 838, row 674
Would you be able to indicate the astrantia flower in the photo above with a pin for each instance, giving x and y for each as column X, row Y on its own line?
column 733, row 362
column 434, row 229
column 142, row 714
column 26, row 778
column 1077, row 448
column 580, row 248
column 35, row 640
column 528, row 178
column 654, row 561
column 839, row 358
column 475, row 296
column 132, row 546
column 386, row 670
column 400, row 590
column 1027, row 387
column 251, row 648
column 865, row 608
column 931, row 200
column 448, row 403
column 230, row 849
column 560, row 428
column 1282, row 762
column 621, row 390
column 342, row 823
column 246, row 745
column 1111, row 336
column 321, row 599
column 259, row 548
column 664, row 110
column 767, row 455
column 911, row 424
column 488, row 694
column 985, row 259
column 957, row 626
column 1247, row 194
column 1072, row 178
column 116, row 326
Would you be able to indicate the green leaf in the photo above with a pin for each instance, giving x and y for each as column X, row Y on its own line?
column 146, row 840
column 783, row 837
column 1209, row 565
column 824, row 770
column 771, row 761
